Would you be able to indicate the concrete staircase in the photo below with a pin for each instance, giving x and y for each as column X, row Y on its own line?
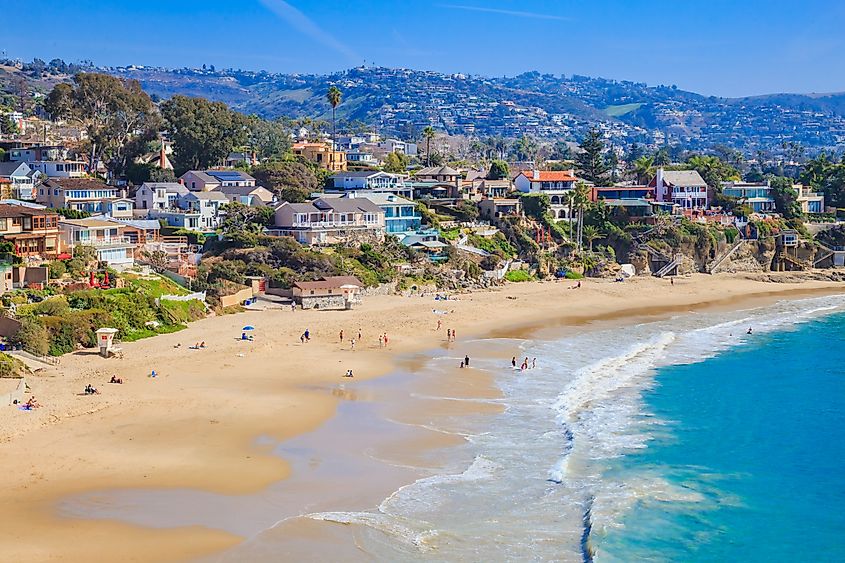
column 713, row 267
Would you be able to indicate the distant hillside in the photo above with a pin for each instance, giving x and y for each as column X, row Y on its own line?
column 403, row 102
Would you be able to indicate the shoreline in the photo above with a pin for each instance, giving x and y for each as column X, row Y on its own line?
column 208, row 406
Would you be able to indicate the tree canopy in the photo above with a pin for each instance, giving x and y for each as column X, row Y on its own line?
column 499, row 170
column 591, row 161
column 203, row 132
column 290, row 180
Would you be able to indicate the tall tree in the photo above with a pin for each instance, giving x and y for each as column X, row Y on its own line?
column 428, row 135
column 114, row 112
column 591, row 233
column 590, row 160
column 290, row 180
column 581, row 200
column 334, row 96
column 203, row 132
column 786, row 198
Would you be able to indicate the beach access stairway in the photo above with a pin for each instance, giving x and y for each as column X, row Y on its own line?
column 714, row 266
column 462, row 245
column 32, row 361
column 836, row 254
column 670, row 267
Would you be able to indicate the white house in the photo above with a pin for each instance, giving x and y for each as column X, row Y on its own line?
column 395, row 145
column 59, row 168
column 21, row 178
column 106, row 237
column 555, row 184
column 248, row 195
column 367, row 180
column 159, row 195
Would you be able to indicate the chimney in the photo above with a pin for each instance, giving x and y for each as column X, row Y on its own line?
column 658, row 184
column 162, row 157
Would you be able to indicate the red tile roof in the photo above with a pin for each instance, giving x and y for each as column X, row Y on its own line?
column 551, row 176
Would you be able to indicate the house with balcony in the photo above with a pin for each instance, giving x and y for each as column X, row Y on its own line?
column 322, row 154
column 80, row 194
column 758, row 195
column 60, row 168
column 208, row 180
column 400, row 214
column 621, row 192
column 395, row 145
column 17, row 180
column 361, row 158
column 107, row 238
column 810, row 201
column 330, row 221
column 194, row 211
column 240, row 158
column 34, row 231
column 685, row 188
column 556, row 184
column 494, row 208
column 159, row 195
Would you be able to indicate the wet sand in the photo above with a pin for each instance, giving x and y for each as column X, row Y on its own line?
column 238, row 419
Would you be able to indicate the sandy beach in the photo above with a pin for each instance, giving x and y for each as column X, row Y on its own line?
column 195, row 425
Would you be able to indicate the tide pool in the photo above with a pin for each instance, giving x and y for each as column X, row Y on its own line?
column 756, row 436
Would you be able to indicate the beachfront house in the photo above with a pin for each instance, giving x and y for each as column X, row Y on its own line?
column 400, row 214
column 556, row 184
column 330, row 220
column 758, row 195
column 685, row 188
column 106, row 237
column 810, row 201
column 336, row 292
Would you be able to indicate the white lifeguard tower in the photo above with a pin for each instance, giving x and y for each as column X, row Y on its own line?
column 105, row 338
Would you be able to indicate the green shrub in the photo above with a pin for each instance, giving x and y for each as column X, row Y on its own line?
column 518, row 276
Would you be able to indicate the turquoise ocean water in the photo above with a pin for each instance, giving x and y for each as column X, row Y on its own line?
column 756, row 435
column 669, row 439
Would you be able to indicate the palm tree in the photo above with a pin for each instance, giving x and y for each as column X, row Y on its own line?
column 591, row 233
column 333, row 96
column 570, row 203
column 644, row 169
column 582, row 198
column 428, row 135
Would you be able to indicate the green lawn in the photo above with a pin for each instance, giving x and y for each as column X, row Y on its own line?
column 619, row 111
column 155, row 287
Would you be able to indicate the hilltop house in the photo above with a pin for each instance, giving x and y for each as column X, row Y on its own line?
column 330, row 220
column 758, row 195
column 18, row 180
column 493, row 208
column 621, row 192
column 106, row 237
column 322, row 154
column 555, row 184
column 208, row 180
column 34, row 231
column 395, row 145
column 79, row 194
column 685, row 188
column 236, row 158
column 159, row 195
column 400, row 214
column 50, row 160
column 194, row 211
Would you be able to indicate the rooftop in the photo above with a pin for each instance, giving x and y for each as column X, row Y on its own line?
column 332, row 282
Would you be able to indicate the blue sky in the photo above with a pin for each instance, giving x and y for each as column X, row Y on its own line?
column 718, row 47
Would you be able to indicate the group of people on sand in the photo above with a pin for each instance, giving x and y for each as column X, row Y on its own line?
column 525, row 365
column 305, row 336
column 465, row 362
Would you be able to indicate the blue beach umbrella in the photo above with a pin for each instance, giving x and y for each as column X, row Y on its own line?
column 248, row 327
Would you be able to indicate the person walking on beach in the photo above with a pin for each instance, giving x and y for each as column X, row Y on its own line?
column 466, row 361
column 448, row 335
column 513, row 362
column 439, row 324
column 524, row 364
column 534, row 363
column 454, row 335
column 671, row 281
column 341, row 336
column 385, row 340
column 352, row 342
column 381, row 341
column 307, row 335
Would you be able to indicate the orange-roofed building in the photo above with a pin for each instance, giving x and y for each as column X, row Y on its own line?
column 554, row 183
